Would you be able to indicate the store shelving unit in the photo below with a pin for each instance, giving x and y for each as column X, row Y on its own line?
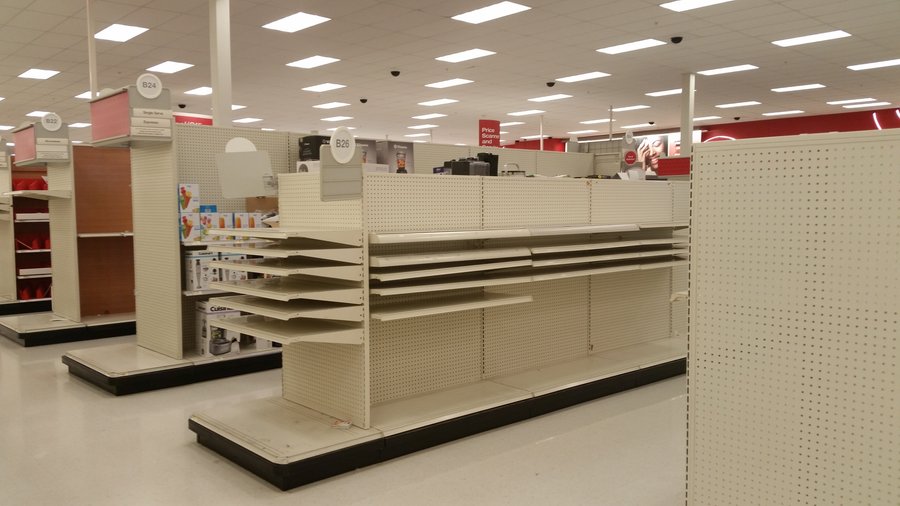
column 482, row 301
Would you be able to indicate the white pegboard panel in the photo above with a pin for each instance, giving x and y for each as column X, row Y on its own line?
column 526, row 336
column 197, row 146
column 328, row 378
column 794, row 391
column 554, row 163
column 7, row 235
column 418, row 202
column 300, row 205
column 427, row 156
column 535, row 202
column 630, row 308
column 680, row 306
column 157, row 256
column 64, row 239
column 631, row 202
column 681, row 200
column 424, row 354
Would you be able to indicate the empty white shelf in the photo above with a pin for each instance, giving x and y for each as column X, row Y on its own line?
column 447, row 257
column 41, row 220
column 542, row 250
column 292, row 267
column 452, row 285
column 563, row 273
column 282, row 250
column 448, row 271
column 32, row 251
column 293, row 331
column 105, row 234
column 206, row 291
column 34, row 276
column 41, row 194
column 676, row 224
column 608, row 258
column 582, row 229
column 399, row 311
column 286, row 289
column 348, row 237
column 287, row 310
column 458, row 235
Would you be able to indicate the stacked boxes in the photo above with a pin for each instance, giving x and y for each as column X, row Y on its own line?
column 196, row 220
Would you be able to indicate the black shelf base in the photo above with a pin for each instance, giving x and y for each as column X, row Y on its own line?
column 177, row 376
column 70, row 335
column 24, row 307
column 295, row 474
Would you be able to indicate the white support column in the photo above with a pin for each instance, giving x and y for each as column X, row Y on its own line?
column 687, row 113
column 542, row 132
column 220, row 60
column 610, row 122
column 92, row 49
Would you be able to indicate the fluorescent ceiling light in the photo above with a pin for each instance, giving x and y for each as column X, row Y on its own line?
column 799, row 87
column 169, row 67
column 630, row 108
column 460, row 144
column 579, row 132
column 38, row 74
column 77, row 142
column 809, row 39
column 6, row 127
column 79, row 125
column 418, row 140
column 430, row 116
column 331, row 105
column 687, row 5
column 512, row 123
column 37, row 114
column 867, row 66
column 319, row 88
column 595, row 121
column 246, row 120
column 631, row 46
column 267, row 129
column 491, row 12
column 639, row 125
column 706, row 118
column 525, row 113
column 86, row 95
column 203, row 90
column 440, row 101
column 470, row 54
column 548, row 98
column 296, row 22
column 422, row 127
column 727, row 70
column 448, row 83
column 235, row 107
column 503, row 133
column 850, row 101
column 870, row 104
column 119, row 33
column 10, row 144
column 782, row 113
column 417, row 135
column 332, row 129
column 738, row 104
column 337, row 118
column 599, row 140
column 312, row 62
column 527, row 137
column 664, row 93
column 2, row 99
column 582, row 77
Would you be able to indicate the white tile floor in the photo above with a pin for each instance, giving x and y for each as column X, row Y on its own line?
column 65, row 442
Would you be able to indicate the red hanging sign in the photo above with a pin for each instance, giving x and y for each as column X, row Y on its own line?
column 489, row 133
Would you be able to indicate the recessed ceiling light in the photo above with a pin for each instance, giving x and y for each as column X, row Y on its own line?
column 727, row 70
column 169, row 67
column 579, row 132
column 687, row 5
column 79, row 125
column 528, row 137
column 809, row 39
column 296, row 22
column 548, row 98
column 599, row 140
column 38, row 74
column 449, row 82
column 529, row 112
column 503, row 133
column 417, row 135
column 37, row 114
column 639, row 125
column 630, row 108
column 631, row 46
column 77, row 142
column 491, row 12
column 470, row 54
column 6, row 127
column 2, row 99
column 738, row 104
column 312, row 62
column 440, row 101
column 319, row 88
column 331, row 105
column 706, row 118
column 246, row 120
column 430, row 116
column 459, row 144
column 512, row 123
column 870, row 104
column 10, row 144
column 235, row 107
column 782, row 113
column 86, row 95
column 337, row 118
column 267, row 129
column 418, row 140
column 851, row 101
column 332, row 129
column 582, row 77
column 595, row 121
column 664, row 93
column 799, row 87
column 203, row 90
column 422, row 127
column 119, row 33
column 867, row 66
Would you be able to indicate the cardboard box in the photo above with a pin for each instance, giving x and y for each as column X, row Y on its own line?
column 188, row 198
column 190, row 227
column 232, row 275
column 211, row 340
column 198, row 274
column 261, row 204
column 241, row 220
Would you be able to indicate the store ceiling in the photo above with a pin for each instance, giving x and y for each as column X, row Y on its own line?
column 554, row 39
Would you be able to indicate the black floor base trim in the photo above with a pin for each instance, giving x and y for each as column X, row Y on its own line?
column 156, row 380
column 44, row 337
column 25, row 307
column 295, row 474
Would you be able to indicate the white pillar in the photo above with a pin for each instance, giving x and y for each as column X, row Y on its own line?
column 92, row 50
column 220, row 60
column 687, row 113
column 610, row 122
column 542, row 132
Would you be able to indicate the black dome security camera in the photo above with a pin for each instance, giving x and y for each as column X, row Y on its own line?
column 363, row 100
column 551, row 84
column 182, row 106
column 676, row 39
column 395, row 73
column 651, row 122
column 737, row 118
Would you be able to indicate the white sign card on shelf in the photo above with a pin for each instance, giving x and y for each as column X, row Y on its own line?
column 149, row 86
column 341, row 168
column 244, row 171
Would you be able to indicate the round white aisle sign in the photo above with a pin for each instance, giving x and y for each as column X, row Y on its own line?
column 149, row 86
column 51, row 122
column 343, row 145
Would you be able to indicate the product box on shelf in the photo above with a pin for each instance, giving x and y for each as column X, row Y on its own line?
column 376, row 167
column 188, row 198
column 242, row 220
column 198, row 274
column 211, row 340
column 232, row 275
column 215, row 220
column 398, row 156
column 256, row 220
column 190, row 227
